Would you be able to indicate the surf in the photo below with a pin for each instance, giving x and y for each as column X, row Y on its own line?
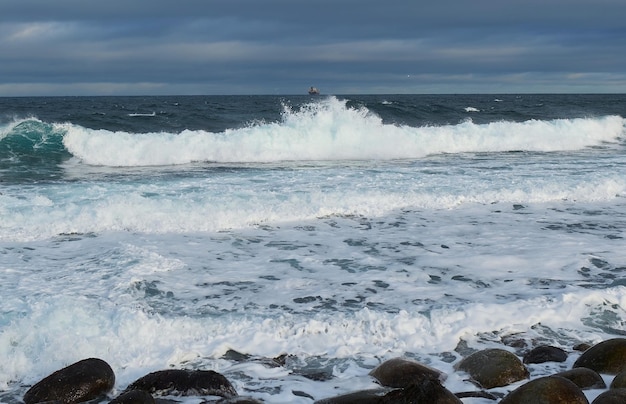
column 330, row 130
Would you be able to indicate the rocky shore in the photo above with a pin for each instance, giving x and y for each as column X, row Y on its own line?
column 401, row 381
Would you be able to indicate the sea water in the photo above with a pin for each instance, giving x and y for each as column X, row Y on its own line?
column 294, row 243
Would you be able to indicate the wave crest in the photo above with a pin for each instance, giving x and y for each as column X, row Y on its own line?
column 325, row 130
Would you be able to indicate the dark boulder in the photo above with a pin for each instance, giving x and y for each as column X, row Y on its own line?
column 584, row 378
column 607, row 357
column 180, row 382
column 493, row 368
column 613, row 396
column 545, row 353
column 400, row 372
column 81, row 381
column 619, row 381
column 546, row 390
column 425, row 391
column 134, row 397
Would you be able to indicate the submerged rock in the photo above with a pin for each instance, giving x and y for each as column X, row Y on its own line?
column 81, row 381
column 546, row 390
column 493, row 368
column 605, row 357
column 400, row 372
column 584, row 378
column 185, row 383
column 545, row 353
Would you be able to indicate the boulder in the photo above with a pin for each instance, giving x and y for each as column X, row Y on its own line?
column 400, row 372
column 81, row 381
column 607, row 357
column 546, row 390
column 427, row 390
column 584, row 378
column 180, row 382
column 493, row 368
column 619, row 381
column 134, row 397
column 545, row 353
column 613, row 396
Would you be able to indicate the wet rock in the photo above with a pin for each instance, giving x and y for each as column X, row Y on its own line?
column 545, row 353
column 605, row 357
column 134, row 397
column 81, row 381
column 582, row 347
column 619, row 381
column 493, row 368
column 400, row 372
column 546, row 390
column 584, row 378
column 613, row 396
column 425, row 391
column 182, row 382
column 358, row 397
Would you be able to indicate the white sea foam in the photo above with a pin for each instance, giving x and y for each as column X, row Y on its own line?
column 144, row 114
column 135, row 343
column 330, row 130
column 208, row 204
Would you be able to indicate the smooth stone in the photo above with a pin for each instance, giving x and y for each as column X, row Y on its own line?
column 134, row 397
column 608, row 357
column 545, row 353
column 401, row 372
column 584, row 378
column 613, row 396
column 185, row 383
column 425, row 391
column 619, row 381
column 81, row 381
column 546, row 390
column 493, row 368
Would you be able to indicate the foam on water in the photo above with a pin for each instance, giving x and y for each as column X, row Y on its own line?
column 220, row 200
column 311, row 290
column 328, row 235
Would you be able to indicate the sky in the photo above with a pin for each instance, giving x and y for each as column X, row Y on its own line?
column 188, row 47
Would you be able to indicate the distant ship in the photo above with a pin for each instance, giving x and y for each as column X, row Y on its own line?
column 313, row 91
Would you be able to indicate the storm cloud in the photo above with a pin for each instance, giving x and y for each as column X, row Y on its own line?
column 72, row 47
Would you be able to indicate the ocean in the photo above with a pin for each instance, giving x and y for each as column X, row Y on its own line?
column 293, row 243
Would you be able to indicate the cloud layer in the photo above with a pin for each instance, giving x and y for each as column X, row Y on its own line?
column 72, row 47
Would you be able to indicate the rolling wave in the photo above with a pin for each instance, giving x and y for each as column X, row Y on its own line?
column 32, row 141
column 322, row 131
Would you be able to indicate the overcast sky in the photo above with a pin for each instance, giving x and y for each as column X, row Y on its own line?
column 145, row 47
